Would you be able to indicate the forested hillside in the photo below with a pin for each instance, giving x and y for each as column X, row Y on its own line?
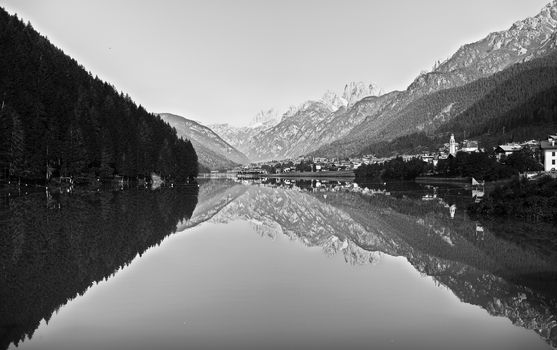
column 517, row 104
column 57, row 119
column 461, row 110
column 535, row 118
column 520, row 108
column 453, row 86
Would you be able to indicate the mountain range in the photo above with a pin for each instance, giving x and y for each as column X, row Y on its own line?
column 496, row 89
column 212, row 151
column 299, row 130
column 411, row 110
column 240, row 137
column 515, row 104
column 363, row 116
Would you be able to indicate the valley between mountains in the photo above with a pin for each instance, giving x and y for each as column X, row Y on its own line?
column 497, row 89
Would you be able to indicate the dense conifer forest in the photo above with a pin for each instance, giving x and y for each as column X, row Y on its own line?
column 56, row 119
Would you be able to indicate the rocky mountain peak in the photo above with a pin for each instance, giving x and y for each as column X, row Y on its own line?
column 355, row 91
column 524, row 40
column 290, row 112
column 546, row 18
column 549, row 11
column 296, row 110
column 332, row 100
column 269, row 117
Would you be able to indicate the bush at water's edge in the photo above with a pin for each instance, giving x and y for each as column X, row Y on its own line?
column 529, row 200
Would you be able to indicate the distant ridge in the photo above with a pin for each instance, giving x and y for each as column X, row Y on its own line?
column 213, row 152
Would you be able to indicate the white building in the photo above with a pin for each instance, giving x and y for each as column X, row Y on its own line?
column 452, row 146
column 549, row 153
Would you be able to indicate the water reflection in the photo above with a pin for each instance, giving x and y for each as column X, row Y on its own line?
column 422, row 223
column 54, row 247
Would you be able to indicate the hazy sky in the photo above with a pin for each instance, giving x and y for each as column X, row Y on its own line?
column 223, row 61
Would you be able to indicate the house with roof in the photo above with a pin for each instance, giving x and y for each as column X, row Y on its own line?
column 532, row 145
column 549, row 153
column 470, row 146
column 506, row 150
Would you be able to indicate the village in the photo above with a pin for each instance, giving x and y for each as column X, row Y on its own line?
column 543, row 151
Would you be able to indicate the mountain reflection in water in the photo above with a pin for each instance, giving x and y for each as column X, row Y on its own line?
column 425, row 224
column 53, row 249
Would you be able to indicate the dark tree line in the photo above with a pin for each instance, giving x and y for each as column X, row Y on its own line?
column 394, row 169
column 484, row 166
column 479, row 165
column 303, row 166
column 56, row 119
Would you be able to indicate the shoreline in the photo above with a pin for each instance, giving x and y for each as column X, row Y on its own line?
column 317, row 174
column 432, row 179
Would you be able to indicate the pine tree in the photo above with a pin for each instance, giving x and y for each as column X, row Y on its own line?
column 106, row 168
column 75, row 153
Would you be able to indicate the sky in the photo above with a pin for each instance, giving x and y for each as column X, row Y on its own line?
column 223, row 61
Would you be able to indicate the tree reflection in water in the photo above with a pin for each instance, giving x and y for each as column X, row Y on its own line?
column 54, row 247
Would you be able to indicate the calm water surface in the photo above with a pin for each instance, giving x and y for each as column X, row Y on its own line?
column 307, row 264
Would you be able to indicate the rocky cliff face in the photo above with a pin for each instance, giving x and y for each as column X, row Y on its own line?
column 523, row 41
column 241, row 137
column 355, row 91
column 265, row 118
column 212, row 151
column 292, row 137
column 343, row 122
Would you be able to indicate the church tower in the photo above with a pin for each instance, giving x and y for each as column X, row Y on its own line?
column 452, row 146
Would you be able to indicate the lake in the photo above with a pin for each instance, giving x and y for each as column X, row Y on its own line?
column 272, row 264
